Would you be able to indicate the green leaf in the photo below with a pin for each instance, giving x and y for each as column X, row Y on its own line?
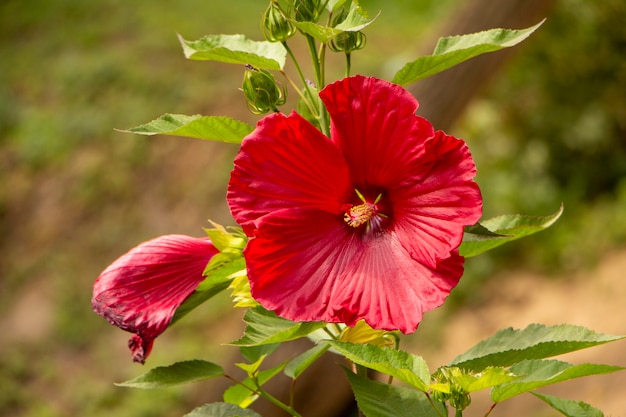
column 236, row 49
column 376, row 399
column 540, row 373
column 499, row 230
column 254, row 353
column 355, row 21
column 244, row 393
column 408, row 368
column 176, row 374
column 222, row 410
column 332, row 5
column 536, row 341
column 298, row 365
column 265, row 327
column 453, row 50
column 226, row 241
column 217, row 128
column 570, row 408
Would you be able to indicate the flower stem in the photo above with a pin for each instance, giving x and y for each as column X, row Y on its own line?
column 260, row 391
column 490, row 409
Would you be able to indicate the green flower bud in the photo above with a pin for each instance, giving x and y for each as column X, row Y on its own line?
column 459, row 399
column 308, row 10
column 276, row 26
column 346, row 41
column 262, row 92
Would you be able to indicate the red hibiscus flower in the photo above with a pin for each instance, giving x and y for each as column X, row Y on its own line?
column 142, row 289
column 365, row 224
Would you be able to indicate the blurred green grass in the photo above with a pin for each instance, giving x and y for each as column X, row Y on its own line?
column 76, row 194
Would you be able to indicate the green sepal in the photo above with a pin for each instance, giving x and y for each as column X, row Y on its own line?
column 491, row 233
column 475, row 381
column 537, row 341
column 222, row 410
column 453, row 50
column 541, row 373
column 570, row 408
column 176, row 374
column 408, row 368
column 216, row 128
column 377, row 399
column 236, row 49
column 265, row 327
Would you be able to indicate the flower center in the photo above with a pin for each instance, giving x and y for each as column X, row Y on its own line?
column 367, row 213
column 358, row 215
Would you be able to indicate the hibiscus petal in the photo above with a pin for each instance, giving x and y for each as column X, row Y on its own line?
column 432, row 207
column 374, row 124
column 286, row 162
column 142, row 289
column 308, row 265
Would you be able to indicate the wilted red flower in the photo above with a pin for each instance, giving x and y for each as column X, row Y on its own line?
column 365, row 224
column 142, row 289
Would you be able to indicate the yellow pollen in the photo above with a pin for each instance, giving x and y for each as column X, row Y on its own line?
column 358, row 215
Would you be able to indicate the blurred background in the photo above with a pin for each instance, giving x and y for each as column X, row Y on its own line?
column 547, row 126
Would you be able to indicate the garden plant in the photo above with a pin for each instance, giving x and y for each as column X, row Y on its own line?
column 354, row 218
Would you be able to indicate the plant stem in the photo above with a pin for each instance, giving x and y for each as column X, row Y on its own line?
column 490, row 409
column 260, row 391
column 458, row 413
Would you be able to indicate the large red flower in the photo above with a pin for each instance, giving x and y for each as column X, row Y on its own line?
column 365, row 224
column 142, row 289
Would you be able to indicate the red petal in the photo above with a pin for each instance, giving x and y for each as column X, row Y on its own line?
column 431, row 208
column 286, row 162
column 375, row 126
column 142, row 289
column 309, row 266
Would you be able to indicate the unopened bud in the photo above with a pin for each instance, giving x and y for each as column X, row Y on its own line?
column 308, row 10
column 346, row 41
column 262, row 92
column 276, row 26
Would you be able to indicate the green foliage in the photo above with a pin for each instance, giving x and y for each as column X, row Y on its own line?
column 570, row 408
column 176, row 374
column 408, row 368
column 222, row 410
column 491, row 233
column 236, row 49
column 244, row 393
column 356, row 20
column 540, row 373
column 453, row 50
column 218, row 128
column 265, row 327
column 536, row 341
column 376, row 399
column 301, row 363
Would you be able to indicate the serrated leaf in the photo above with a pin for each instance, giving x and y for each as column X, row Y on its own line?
column 408, row 368
column 540, row 373
column 217, row 128
column 236, row 49
column 570, row 408
column 355, row 21
column 453, row 50
column 298, row 365
column 265, row 327
column 254, row 353
column 222, row 410
column 376, row 399
column 244, row 393
column 536, row 341
column 176, row 374
column 499, row 230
